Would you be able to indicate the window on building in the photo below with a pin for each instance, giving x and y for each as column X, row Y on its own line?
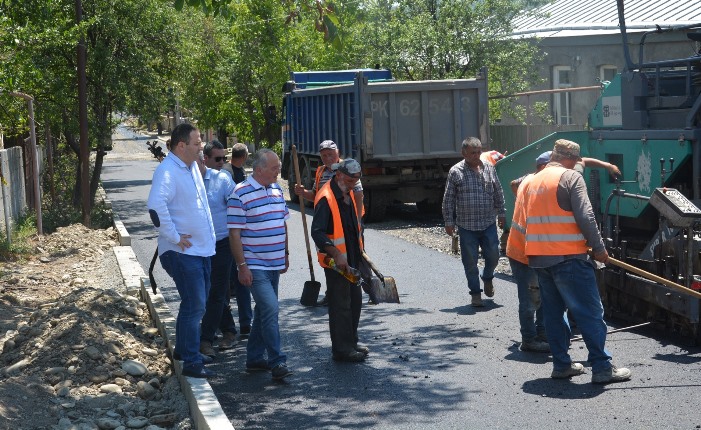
column 607, row 72
column 562, row 104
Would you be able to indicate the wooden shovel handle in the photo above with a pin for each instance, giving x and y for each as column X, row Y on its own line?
column 295, row 162
column 653, row 277
column 372, row 266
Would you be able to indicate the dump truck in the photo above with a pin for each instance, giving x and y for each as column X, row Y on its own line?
column 405, row 134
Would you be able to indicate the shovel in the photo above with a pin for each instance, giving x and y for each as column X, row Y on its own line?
column 382, row 288
column 310, row 293
column 653, row 277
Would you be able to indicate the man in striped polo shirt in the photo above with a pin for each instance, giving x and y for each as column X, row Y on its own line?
column 256, row 217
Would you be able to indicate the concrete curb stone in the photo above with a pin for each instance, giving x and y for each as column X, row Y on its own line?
column 206, row 412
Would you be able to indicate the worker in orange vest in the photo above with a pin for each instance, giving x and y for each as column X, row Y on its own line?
column 559, row 230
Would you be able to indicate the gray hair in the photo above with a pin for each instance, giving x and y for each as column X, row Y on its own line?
column 471, row 142
column 261, row 158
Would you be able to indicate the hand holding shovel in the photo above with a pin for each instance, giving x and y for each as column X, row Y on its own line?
column 310, row 293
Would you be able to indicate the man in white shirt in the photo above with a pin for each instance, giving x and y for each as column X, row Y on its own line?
column 178, row 207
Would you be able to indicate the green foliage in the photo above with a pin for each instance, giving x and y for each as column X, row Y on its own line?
column 130, row 50
column 428, row 39
column 324, row 21
column 57, row 199
column 19, row 246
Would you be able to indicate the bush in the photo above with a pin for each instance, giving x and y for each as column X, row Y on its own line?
column 20, row 245
column 62, row 213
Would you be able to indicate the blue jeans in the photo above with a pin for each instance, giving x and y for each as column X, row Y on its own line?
column 265, row 331
column 191, row 276
column 572, row 285
column 470, row 243
column 243, row 298
column 526, row 277
column 217, row 313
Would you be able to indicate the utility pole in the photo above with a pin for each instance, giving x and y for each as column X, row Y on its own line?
column 83, row 121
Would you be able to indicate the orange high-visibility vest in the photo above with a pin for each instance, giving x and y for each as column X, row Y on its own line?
column 491, row 157
column 516, row 244
column 317, row 179
column 550, row 230
column 337, row 237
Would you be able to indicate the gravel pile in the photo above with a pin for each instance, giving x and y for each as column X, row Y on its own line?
column 76, row 353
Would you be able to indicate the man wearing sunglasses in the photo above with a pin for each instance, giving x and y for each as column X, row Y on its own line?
column 214, row 155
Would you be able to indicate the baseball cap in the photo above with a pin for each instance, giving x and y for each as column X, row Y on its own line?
column 327, row 144
column 543, row 158
column 566, row 149
column 349, row 167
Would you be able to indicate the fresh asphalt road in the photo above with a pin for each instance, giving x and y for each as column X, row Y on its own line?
column 435, row 362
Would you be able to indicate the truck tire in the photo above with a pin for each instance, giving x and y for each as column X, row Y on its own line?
column 375, row 202
column 428, row 207
column 294, row 198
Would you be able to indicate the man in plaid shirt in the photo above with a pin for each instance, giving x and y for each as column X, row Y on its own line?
column 473, row 200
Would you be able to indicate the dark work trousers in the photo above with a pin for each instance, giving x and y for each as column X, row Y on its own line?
column 345, row 301
column 217, row 313
column 243, row 299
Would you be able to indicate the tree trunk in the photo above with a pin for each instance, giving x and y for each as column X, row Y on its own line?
column 95, row 180
column 75, row 201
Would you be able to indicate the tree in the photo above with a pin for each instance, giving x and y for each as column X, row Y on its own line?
column 236, row 66
column 130, row 60
column 447, row 39
column 325, row 20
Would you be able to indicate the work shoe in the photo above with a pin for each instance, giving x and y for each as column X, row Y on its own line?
column 258, row 366
column 352, row 357
column 574, row 370
column 198, row 371
column 227, row 341
column 362, row 349
column 323, row 302
column 614, row 374
column 488, row 287
column 535, row 346
column 281, row 371
column 477, row 300
column 206, row 348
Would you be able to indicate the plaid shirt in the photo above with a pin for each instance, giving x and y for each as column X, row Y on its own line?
column 472, row 200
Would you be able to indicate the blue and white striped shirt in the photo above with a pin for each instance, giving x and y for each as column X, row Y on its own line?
column 260, row 213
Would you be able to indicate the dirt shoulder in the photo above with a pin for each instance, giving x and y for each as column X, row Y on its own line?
column 75, row 351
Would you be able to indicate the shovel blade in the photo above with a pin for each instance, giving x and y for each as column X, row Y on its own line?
column 310, row 293
column 384, row 290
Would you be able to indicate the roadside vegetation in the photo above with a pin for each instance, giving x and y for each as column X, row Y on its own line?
column 18, row 246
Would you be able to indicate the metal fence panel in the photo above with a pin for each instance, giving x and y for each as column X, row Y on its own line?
column 511, row 138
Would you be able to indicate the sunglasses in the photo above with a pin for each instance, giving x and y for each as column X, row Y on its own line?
column 218, row 159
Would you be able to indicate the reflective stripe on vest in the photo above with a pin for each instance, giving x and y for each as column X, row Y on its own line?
column 516, row 243
column 338, row 237
column 550, row 230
